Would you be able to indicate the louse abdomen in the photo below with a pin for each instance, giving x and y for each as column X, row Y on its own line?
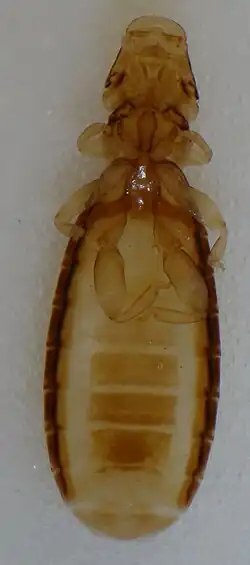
column 131, row 430
column 131, row 426
column 140, row 435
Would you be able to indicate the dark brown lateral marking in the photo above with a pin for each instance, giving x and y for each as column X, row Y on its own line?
column 56, row 467
column 213, row 356
column 69, row 265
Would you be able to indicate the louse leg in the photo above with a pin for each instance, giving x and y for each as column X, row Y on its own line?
column 112, row 293
column 187, row 281
column 76, row 204
column 138, row 307
column 90, row 142
column 190, row 150
column 176, row 316
column 96, row 142
column 111, row 290
column 174, row 186
column 182, row 271
column 185, row 148
column 210, row 216
column 172, row 316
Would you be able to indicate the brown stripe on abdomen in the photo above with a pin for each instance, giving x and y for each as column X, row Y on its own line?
column 132, row 409
column 132, row 369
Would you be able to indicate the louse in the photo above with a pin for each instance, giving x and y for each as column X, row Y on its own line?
column 132, row 371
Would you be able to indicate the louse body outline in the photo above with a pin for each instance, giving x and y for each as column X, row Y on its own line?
column 132, row 372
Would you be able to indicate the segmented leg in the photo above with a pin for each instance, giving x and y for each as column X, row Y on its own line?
column 210, row 216
column 95, row 142
column 175, row 188
column 186, row 279
column 108, row 188
column 110, row 286
column 190, row 149
column 76, row 204
column 179, row 265
column 178, row 271
column 113, row 297
column 171, row 315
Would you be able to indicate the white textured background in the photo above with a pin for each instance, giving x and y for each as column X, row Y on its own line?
column 54, row 58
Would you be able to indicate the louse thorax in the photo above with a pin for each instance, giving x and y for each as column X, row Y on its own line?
column 143, row 189
column 135, row 182
column 146, row 133
column 138, row 133
column 153, row 69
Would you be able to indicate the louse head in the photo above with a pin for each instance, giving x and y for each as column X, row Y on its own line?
column 148, row 32
column 152, row 68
